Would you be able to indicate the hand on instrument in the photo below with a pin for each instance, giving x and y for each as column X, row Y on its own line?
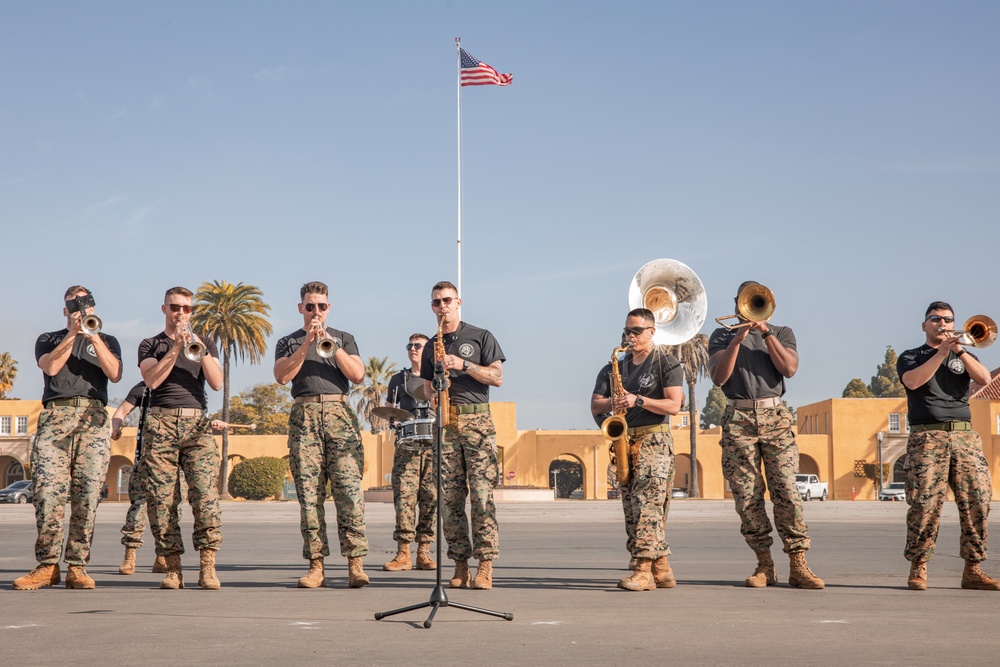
column 953, row 343
column 626, row 402
column 453, row 362
column 74, row 327
column 759, row 326
column 741, row 335
column 316, row 331
column 116, row 432
column 219, row 425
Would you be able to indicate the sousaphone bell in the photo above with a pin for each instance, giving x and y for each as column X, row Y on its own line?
column 675, row 295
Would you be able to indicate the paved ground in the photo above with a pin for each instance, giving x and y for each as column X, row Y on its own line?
column 560, row 561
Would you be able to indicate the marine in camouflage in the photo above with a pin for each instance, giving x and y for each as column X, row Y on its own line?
column 469, row 470
column 414, row 493
column 69, row 462
column 751, row 438
column 646, row 498
column 324, row 443
column 135, row 517
column 175, row 445
column 935, row 461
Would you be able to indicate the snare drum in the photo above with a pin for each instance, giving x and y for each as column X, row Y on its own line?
column 415, row 433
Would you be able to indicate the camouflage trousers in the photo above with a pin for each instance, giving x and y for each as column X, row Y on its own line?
column 135, row 517
column 413, row 489
column 175, row 445
column 935, row 461
column 69, row 462
column 751, row 438
column 324, row 443
column 469, row 470
column 646, row 498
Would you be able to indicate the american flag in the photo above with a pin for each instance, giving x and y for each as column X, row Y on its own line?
column 477, row 73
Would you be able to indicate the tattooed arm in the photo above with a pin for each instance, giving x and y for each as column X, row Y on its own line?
column 491, row 375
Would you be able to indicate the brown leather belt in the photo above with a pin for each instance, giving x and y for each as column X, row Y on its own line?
column 77, row 402
column 177, row 412
column 321, row 398
column 751, row 404
column 470, row 409
column 942, row 426
column 646, row 430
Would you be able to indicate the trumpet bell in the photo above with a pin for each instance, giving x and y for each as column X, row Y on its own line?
column 675, row 295
column 325, row 347
column 978, row 331
column 90, row 325
column 194, row 351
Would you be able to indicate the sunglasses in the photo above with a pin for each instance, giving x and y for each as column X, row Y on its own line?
column 413, row 346
column 635, row 331
column 937, row 318
column 313, row 306
column 445, row 300
column 176, row 308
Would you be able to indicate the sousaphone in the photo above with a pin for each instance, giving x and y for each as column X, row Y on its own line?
column 675, row 295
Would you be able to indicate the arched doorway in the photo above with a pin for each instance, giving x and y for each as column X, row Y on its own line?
column 808, row 465
column 682, row 473
column 566, row 476
column 119, row 473
column 11, row 470
column 898, row 472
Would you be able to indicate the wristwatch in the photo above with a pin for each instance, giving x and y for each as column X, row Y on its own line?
column 639, row 402
column 960, row 353
column 465, row 364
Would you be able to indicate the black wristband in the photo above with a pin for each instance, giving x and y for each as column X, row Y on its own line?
column 960, row 353
column 766, row 334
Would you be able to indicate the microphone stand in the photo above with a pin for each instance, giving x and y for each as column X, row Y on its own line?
column 439, row 598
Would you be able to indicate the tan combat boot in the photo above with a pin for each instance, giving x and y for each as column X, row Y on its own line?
column 424, row 560
column 160, row 565
column 484, row 576
column 77, row 577
column 175, row 575
column 641, row 578
column 974, row 577
column 800, row 574
column 401, row 561
column 663, row 576
column 462, row 578
column 918, row 576
column 46, row 574
column 315, row 578
column 128, row 565
column 764, row 575
column 207, row 578
column 356, row 577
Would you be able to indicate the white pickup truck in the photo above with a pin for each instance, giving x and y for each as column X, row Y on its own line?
column 810, row 487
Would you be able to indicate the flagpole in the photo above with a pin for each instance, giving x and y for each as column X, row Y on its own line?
column 458, row 93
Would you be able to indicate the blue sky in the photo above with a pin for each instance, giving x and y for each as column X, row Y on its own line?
column 844, row 154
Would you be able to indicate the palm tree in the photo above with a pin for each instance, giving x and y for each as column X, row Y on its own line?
column 693, row 356
column 369, row 395
column 8, row 373
column 235, row 317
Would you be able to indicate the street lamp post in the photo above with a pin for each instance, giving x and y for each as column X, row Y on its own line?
column 879, row 437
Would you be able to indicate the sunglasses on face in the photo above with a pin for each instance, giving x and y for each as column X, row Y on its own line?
column 635, row 331
column 177, row 307
column 445, row 300
column 413, row 346
column 313, row 306
column 938, row 318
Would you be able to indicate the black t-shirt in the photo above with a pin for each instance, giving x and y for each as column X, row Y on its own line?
column 135, row 394
column 755, row 376
column 476, row 345
column 81, row 376
column 657, row 372
column 943, row 398
column 317, row 375
column 397, row 395
column 185, row 386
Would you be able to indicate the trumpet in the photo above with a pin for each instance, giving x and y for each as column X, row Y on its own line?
column 754, row 303
column 195, row 349
column 326, row 346
column 978, row 331
column 90, row 325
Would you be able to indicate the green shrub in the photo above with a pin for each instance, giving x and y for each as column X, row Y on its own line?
column 259, row 478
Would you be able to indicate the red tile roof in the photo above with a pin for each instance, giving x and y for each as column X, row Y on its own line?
column 991, row 391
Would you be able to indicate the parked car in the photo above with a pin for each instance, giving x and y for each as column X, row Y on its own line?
column 893, row 491
column 18, row 492
column 679, row 493
column 810, row 487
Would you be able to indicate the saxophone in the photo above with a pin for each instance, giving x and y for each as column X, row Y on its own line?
column 439, row 356
column 615, row 428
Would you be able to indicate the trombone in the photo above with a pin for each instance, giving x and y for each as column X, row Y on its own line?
column 754, row 303
column 978, row 331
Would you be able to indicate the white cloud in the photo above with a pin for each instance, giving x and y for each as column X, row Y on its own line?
column 271, row 74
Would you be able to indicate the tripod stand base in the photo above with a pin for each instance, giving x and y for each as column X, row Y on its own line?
column 440, row 599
